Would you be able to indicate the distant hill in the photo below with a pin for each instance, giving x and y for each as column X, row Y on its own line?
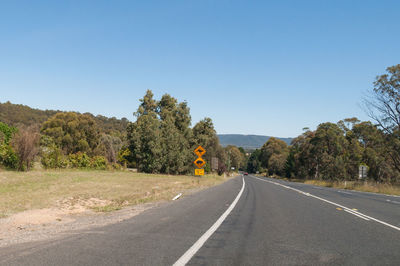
column 22, row 115
column 246, row 141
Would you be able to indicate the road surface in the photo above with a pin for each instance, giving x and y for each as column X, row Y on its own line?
column 261, row 222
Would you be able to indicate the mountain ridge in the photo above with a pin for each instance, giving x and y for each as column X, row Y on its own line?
column 247, row 141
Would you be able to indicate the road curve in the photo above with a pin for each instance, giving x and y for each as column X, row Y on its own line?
column 273, row 223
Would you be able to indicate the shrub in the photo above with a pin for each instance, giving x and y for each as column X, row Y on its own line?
column 8, row 158
column 221, row 168
column 117, row 166
column 52, row 157
column 79, row 160
column 25, row 144
column 6, row 133
column 98, row 162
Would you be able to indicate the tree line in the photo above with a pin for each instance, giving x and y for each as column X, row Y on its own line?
column 161, row 140
column 334, row 151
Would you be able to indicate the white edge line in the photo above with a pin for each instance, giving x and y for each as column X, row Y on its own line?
column 185, row 258
column 333, row 203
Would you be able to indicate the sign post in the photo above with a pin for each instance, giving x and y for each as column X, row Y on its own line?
column 199, row 162
column 362, row 172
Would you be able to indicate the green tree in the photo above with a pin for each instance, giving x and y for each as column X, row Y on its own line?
column 375, row 152
column 236, row 158
column 273, row 156
column 72, row 132
column 253, row 163
column 6, row 133
column 205, row 135
column 8, row 157
column 144, row 137
column 328, row 149
column 175, row 121
column 109, row 147
column 383, row 106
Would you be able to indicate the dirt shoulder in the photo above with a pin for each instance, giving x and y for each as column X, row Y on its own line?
column 40, row 205
column 35, row 225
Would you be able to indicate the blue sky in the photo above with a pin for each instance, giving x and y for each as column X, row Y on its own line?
column 254, row 67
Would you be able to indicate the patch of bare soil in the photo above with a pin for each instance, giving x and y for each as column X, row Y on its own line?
column 70, row 215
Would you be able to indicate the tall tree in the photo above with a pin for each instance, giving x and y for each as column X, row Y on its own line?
column 383, row 106
column 253, row 163
column 144, row 143
column 144, row 136
column 376, row 152
column 174, row 136
column 205, row 135
column 328, row 149
column 236, row 158
column 273, row 156
column 72, row 132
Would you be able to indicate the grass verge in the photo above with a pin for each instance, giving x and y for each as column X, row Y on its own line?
column 102, row 191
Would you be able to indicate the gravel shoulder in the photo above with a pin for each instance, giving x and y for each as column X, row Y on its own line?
column 43, row 224
column 69, row 218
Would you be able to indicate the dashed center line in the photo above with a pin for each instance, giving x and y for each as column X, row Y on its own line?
column 349, row 210
column 388, row 200
column 358, row 215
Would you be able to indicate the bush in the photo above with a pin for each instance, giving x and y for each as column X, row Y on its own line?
column 52, row 157
column 79, row 160
column 207, row 168
column 221, row 168
column 6, row 133
column 98, row 162
column 116, row 166
column 8, row 158
column 25, row 144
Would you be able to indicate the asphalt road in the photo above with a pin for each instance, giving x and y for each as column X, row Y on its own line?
column 272, row 223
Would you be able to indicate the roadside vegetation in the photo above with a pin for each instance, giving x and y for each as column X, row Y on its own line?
column 160, row 140
column 331, row 154
column 53, row 159
column 91, row 189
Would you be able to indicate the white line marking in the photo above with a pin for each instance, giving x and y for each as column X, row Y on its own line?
column 357, row 215
column 344, row 192
column 185, row 258
column 333, row 203
column 393, row 201
column 378, row 194
column 177, row 196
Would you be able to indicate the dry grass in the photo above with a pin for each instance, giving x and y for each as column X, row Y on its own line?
column 20, row 191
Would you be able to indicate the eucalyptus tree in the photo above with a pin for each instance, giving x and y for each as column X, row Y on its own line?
column 383, row 106
column 72, row 132
column 273, row 156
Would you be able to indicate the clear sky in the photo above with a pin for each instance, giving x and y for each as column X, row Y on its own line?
column 254, row 67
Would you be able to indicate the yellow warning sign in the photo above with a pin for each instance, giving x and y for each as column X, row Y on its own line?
column 199, row 162
column 199, row 171
column 199, row 151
